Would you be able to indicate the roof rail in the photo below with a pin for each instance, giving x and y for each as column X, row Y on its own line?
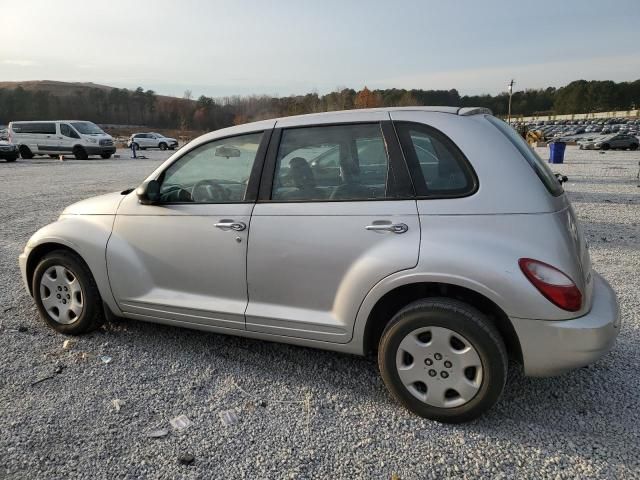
column 474, row 111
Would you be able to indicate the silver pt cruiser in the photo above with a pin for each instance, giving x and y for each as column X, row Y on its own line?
column 433, row 236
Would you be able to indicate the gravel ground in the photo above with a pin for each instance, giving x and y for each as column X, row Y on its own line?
column 301, row 413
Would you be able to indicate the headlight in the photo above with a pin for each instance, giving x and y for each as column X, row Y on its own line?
column 597, row 144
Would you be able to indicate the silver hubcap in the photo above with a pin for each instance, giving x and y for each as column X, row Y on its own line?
column 61, row 294
column 439, row 367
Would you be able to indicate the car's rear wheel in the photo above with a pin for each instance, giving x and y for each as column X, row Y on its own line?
column 80, row 153
column 443, row 360
column 163, row 146
column 66, row 294
column 25, row 152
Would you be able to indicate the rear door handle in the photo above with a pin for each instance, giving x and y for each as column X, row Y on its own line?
column 393, row 228
column 231, row 225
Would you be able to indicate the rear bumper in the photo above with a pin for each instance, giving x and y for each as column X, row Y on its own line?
column 554, row 347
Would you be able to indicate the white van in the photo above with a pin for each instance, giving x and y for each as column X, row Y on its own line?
column 80, row 138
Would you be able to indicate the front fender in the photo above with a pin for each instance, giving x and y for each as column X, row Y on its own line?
column 87, row 235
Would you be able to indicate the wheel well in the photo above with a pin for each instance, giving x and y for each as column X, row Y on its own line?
column 396, row 299
column 38, row 253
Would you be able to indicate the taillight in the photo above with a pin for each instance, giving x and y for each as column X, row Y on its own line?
column 557, row 287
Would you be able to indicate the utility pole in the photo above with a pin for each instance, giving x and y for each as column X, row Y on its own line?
column 510, row 87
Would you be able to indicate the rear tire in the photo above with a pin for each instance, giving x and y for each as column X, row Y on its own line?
column 62, row 276
column 80, row 153
column 454, row 385
column 25, row 152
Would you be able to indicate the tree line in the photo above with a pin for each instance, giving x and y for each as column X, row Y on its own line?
column 144, row 107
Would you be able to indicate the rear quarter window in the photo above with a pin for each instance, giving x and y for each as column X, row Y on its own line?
column 539, row 166
column 438, row 167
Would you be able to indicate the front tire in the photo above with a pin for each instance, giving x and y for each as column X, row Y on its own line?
column 606, row 146
column 163, row 146
column 443, row 360
column 106, row 156
column 11, row 159
column 80, row 153
column 66, row 293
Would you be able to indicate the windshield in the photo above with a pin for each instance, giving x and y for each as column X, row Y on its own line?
column 87, row 128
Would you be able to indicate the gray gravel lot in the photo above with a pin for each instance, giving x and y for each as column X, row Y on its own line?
column 301, row 413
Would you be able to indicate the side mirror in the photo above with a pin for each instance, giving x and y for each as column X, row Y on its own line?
column 149, row 192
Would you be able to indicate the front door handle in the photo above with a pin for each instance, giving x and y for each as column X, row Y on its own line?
column 230, row 225
column 393, row 228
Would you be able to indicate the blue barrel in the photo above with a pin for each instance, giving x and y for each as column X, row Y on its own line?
column 556, row 152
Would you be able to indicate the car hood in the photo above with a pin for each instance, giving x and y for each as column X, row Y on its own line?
column 100, row 205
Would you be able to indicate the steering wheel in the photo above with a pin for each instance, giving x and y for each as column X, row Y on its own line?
column 209, row 191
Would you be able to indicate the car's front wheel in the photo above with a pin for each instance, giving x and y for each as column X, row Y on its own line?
column 80, row 153
column 163, row 146
column 66, row 294
column 443, row 360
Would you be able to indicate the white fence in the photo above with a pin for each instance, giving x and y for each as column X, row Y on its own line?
column 578, row 116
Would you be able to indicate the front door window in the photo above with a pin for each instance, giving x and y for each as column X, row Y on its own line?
column 216, row 172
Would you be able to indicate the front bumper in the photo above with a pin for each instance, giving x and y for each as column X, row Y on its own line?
column 99, row 150
column 554, row 347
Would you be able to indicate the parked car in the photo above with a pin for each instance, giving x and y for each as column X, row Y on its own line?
column 8, row 151
column 152, row 140
column 621, row 141
column 80, row 138
column 406, row 248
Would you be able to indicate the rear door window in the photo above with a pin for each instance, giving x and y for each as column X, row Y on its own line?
column 539, row 166
column 331, row 163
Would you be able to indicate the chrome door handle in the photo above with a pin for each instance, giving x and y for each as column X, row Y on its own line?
column 236, row 226
column 394, row 228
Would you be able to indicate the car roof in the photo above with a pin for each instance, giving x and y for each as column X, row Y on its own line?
column 341, row 116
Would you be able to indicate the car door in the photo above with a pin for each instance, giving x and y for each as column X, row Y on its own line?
column 45, row 138
column 67, row 138
column 142, row 140
column 183, row 259
column 319, row 242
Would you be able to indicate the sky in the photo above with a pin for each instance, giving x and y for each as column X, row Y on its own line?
column 284, row 47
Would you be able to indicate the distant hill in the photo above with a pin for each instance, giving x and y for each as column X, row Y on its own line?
column 67, row 89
